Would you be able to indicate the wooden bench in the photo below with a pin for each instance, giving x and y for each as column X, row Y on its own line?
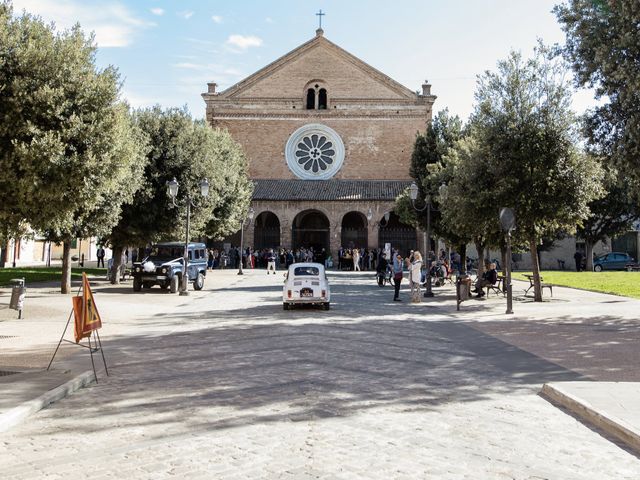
column 542, row 285
column 496, row 287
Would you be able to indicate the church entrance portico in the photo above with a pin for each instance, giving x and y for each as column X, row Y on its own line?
column 310, row 229
column 267, row 231
column 400, row 235
column 354, row 232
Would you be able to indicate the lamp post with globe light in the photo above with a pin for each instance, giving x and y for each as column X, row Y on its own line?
column 413, row 194
column 172, row 187
column 249, row 216
column 508, row 223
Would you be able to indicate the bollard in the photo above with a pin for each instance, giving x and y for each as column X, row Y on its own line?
column 18, row 292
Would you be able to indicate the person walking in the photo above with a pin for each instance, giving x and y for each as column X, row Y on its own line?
column 578, row 258
column 356, row 259
column 271, row 262
column 100, row 254
column 415, row 277
column 397, row 277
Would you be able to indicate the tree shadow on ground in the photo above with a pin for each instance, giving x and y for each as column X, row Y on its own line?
column 250, row 372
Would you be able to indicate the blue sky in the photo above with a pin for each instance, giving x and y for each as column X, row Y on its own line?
column 167, row 50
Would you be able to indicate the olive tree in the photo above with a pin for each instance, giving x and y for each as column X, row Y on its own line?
column 189, row 151
column 67, row 147
column 523, row 122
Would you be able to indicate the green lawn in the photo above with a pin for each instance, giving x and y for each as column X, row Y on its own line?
column 622, row 283
column 43, row 274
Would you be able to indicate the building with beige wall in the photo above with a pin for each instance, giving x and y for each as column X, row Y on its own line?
column 328, row 140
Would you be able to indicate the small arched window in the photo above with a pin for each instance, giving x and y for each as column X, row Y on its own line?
column 322, row 99
column 311, row 99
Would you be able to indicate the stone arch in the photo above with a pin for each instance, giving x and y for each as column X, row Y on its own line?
column 354, row 230
column 310, row 229
column 266, row 233
column 401, row 236
column 315, row 95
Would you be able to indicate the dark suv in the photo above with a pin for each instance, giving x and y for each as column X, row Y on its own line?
column 163, row 266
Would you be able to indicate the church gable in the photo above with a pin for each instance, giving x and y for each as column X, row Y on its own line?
column 319, row 62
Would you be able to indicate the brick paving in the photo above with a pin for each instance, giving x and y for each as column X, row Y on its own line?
column 225, row 384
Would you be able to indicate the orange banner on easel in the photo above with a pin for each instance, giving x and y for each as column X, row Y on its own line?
column 85, row 313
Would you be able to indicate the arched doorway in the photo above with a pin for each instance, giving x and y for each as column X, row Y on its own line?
column 400, row 235
column 267, row 231
column 354, row 231
column 311, row 230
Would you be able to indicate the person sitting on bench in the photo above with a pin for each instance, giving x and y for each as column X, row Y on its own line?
column 489, row 277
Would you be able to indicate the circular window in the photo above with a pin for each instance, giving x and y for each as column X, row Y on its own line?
column 314, row 152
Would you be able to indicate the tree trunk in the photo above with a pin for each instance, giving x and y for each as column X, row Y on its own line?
column 65, row 285
column 535, row 267
column 589, row 253
column 504, row 259
column 114, row 274
column 480, row 249
column 463, row 258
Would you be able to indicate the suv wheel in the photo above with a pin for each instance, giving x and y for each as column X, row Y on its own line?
column 597, row 268
column 137, row 284
column 198, row 283
column 173, row 284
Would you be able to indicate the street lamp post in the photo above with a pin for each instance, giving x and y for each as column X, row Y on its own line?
column 172, row 187
column 250, row 214
column 413, row 193
column 508, row 222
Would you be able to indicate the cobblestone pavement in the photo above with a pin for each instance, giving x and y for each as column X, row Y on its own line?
column 226, row 385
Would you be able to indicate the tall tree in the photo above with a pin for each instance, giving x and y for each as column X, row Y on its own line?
column 611, row 215
column 467, row 205
column 189, row 151
column 67, row 149
column 523, row 121
column 603, row 46
column 429, row 172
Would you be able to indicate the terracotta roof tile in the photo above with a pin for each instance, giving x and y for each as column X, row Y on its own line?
column 328, row 190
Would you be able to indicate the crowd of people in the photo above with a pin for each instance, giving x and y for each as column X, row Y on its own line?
column 435, row 268
column 271, row 259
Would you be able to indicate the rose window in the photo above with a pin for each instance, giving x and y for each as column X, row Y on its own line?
column 314, row 152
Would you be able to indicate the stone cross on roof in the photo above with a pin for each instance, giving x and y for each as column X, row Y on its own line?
column 320, row 15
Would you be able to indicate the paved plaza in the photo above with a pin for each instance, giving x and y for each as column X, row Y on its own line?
column 224, row 384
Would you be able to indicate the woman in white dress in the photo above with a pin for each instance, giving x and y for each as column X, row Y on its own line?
column 356, row 260
column 415, row 277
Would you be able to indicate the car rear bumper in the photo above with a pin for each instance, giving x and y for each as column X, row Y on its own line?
column 306, row 300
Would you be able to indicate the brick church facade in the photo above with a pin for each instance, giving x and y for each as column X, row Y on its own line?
column 328, row 140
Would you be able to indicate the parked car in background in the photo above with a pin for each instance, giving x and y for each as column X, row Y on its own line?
column 613, row 261
column 163, row 267
column 306, row 283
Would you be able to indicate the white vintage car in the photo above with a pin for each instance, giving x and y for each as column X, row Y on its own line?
column 306, row 283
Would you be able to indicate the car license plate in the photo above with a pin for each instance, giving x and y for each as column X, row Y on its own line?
column 306, row 292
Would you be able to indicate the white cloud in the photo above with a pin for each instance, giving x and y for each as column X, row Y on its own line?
column 212, row 68
column 187, row 14
column 216, row 19
column 268, row 20
column 114, row 25
column 157, row 11
column 243, row 42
